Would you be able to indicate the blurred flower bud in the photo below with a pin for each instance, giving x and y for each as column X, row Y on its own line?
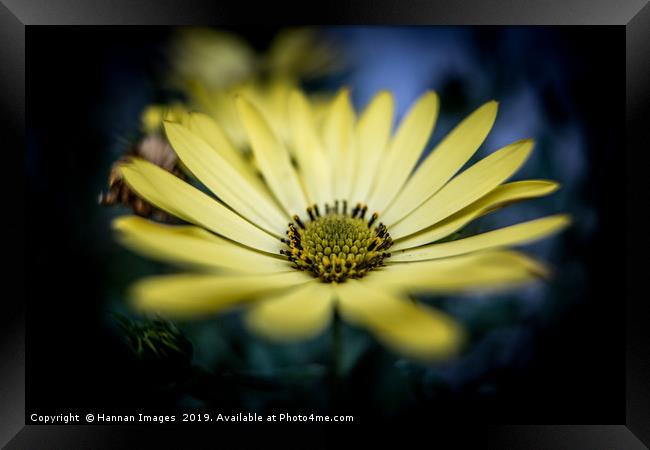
column 155, row 149
column 302, row 53
column 158, row 345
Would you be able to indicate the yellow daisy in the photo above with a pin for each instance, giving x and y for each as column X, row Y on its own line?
column 348, row 224
column 218, row 59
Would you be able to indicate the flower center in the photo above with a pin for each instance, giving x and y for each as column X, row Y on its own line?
column 337, row 245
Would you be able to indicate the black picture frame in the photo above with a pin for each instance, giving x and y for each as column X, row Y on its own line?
column 634, row 15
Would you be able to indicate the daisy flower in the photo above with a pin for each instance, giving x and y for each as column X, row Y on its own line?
column 218, row 59
column 345, row 222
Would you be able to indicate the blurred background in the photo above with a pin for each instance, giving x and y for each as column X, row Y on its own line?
column 551, row 352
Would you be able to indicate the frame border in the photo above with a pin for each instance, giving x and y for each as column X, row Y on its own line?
column 15, row 15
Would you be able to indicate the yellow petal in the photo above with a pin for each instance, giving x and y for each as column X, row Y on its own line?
column 492, row 269
column 224, row 180
column 189, row 295
column 498, row 198
column 273, row 159
column 178, row 198
column 190, row 245
column 519, row 234
column 314, row 165
column 414, row 330
column 373, row 132
column 298, row 314
column 340, row 145
column 465, row 188
column 443, row 162
column 220, row 105
column 206, row 128
column 404, row 151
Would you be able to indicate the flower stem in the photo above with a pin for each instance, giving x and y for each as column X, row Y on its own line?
column 336, row 353
column 335, row 363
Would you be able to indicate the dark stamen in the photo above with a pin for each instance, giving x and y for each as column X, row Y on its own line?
column 363, row 211
column 372, row 219
column 385, row 244
column 298, row 221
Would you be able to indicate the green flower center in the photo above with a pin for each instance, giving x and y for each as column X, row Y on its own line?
column 337, row 245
